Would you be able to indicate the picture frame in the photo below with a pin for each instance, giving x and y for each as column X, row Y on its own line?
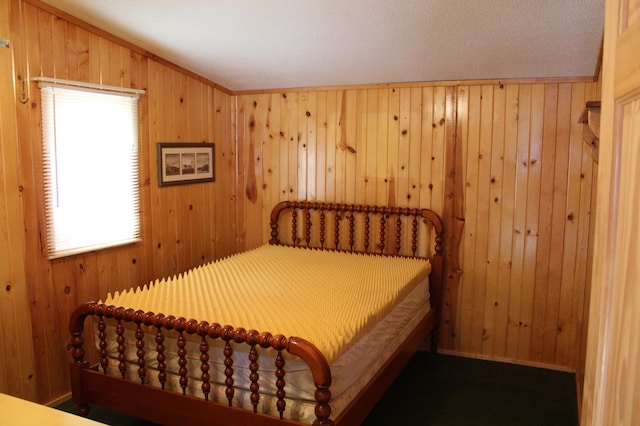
column 182, row 163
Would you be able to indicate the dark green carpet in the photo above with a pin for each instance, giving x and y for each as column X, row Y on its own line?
column 464, row 391
column 444, row 390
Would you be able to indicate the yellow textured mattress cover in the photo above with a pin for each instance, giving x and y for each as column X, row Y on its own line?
column 328, row 298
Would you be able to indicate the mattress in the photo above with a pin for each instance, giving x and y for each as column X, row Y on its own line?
column 385, row 312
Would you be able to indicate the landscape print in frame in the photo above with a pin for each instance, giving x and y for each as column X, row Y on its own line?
column 185, row 162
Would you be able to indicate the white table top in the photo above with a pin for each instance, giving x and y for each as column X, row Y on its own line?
column 19, row 412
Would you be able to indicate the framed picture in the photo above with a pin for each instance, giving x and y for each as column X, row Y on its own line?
column 180, row 163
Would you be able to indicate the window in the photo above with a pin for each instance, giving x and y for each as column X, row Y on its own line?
column 90, row 152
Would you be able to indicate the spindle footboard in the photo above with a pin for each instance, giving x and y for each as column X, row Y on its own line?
column 387, row 231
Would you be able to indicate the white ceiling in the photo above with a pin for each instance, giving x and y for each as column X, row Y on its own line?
column 269, row 44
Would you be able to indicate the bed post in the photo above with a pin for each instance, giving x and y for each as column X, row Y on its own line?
column 79, row 364
column 437, row 272
column 321, row 376
column 275, row 219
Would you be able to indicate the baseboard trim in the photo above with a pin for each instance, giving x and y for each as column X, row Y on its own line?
column 508, row 360
column 59, row 400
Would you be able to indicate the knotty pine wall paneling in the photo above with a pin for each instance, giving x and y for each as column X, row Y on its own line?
column 527, row 199
column 525, row 192
column 355, row 145
column 17, row 371
column 182, row 226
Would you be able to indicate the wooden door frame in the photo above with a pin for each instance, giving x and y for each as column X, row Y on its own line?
column 598, row 406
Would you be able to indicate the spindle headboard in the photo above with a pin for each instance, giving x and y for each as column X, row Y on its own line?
column 369, row 229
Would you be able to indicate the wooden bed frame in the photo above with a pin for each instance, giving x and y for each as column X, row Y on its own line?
column 90, row 385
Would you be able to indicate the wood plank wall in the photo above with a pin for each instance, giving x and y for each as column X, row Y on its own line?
column 182, row 226
column 528, row 185
column 16, row 348
column 526, row 179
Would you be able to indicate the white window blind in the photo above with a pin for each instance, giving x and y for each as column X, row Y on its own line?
column 90, row 152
